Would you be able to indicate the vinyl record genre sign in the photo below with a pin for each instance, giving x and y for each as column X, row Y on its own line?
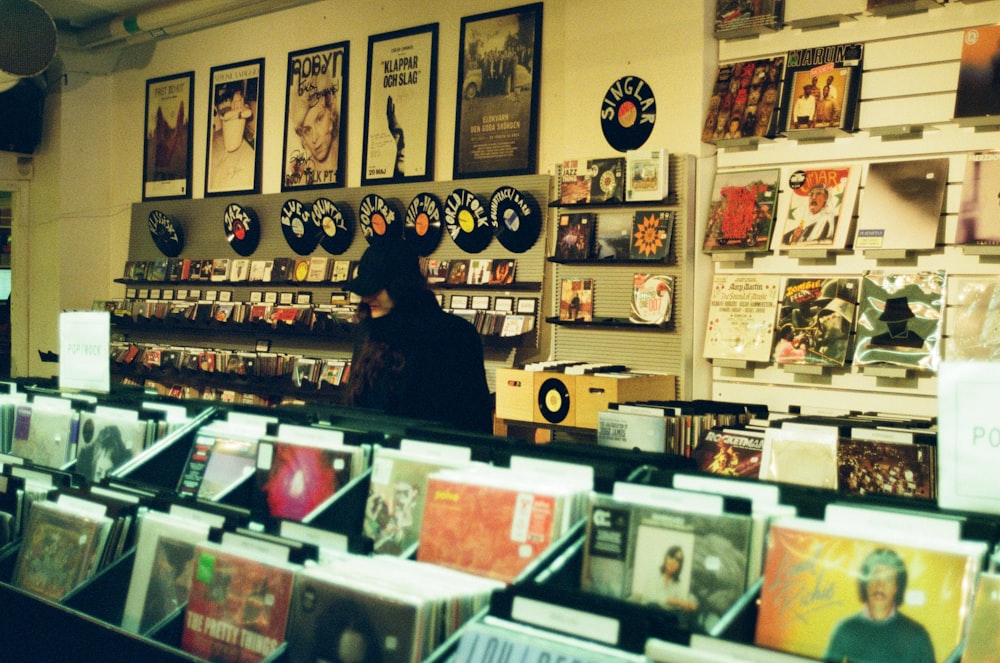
column 242, row 229
column 422, row 226
column 167, row 233
column 297, row 226
column 516, row 219
column 628, row 113
column 467, row 222
column 335, row 231
column 378, row 219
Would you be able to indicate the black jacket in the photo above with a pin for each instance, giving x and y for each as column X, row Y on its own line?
column 419, row 361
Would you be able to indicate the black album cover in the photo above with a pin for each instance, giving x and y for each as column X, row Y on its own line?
column 822, row 89
column 607, row 179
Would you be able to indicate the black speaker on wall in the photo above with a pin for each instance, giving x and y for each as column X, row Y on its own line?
column 21, row 110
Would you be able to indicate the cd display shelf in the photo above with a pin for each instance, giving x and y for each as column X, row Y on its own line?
column 202, row 222
column 87, row 618
column 652, row 348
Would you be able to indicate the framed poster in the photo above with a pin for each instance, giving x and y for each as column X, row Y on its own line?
column 236, row 92
column 496, row 120
column 400, row 106
column 315, row 118
column 166, row 167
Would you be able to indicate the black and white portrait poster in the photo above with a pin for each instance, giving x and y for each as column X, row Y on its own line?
column 167, row 156
column 400, row 106
column 315, row 118
column 496, row 123
column 237, row 92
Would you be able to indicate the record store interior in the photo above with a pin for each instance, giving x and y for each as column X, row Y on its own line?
column 371, row 331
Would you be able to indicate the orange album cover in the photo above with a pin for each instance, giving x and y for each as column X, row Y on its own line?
column 835, row 597
column 484, row 530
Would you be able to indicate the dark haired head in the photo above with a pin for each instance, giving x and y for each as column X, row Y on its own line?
column 883, row 557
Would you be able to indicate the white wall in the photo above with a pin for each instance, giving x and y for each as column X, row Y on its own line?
column 87, row 172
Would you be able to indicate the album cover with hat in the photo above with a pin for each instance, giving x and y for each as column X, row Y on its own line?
column 817, row 206
column 815, row 320
column 900, row 319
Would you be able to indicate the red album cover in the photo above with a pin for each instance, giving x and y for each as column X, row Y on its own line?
column 729, row 453
column 298, row 478
column 484, row 530
column 237, row 608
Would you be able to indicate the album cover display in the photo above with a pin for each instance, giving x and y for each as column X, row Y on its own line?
column 820, row 206
column 690, row 563
column 729, row 452
column 458, row 272
column 976, row 100
column 737, row 18
column 334, row 619
column 917, row 593
column 871, row 467
column 647, row 174
column 294, row 478
column 397, row 490
column 975, row 319
column 902, row 204
column 216, row 465
column 652, row 299
column 741, row 317
column 979, row 213
column 822, row 90
column 607, row 179
column 983, row 639
column 801, row 454
column 576, row 300
column 59, row 550
column 238, row 606
column 107, row 440
column 900, row 319
column 815, row 320
column 742, row 210
column 744, row 101
column 652, row 232
column 613, row 236
column 44, row 435
column 574, row 236
column 574, row 182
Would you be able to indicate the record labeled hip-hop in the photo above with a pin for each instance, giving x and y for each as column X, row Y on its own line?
column 335, row 231
column 516, row 219
column 242, row 229
column 467, row 222
column 298, row 227
column 422, row 227
column 628, row 113
column 554, row 400
column 167, row 233
column 379, row 219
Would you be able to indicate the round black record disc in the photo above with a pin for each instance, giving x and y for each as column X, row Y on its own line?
column 553, row 400
column 628, row 113
column 167, row 233
column 467, row 222
column 335, row 232
column 422, row 226
column 378, row 219
column 298, row 227
column 516, row 218
column 242, row 229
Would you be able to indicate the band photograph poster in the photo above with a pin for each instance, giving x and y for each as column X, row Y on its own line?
column 315, row 118
column 400, row 106
column 496, row 119
column 237, row 101
column 166, row 171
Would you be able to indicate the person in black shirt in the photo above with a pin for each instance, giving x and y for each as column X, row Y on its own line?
column 410, row 357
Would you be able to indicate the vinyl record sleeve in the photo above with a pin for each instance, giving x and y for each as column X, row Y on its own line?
column 902, row 204
column 817, row 207
column 742, row 210
column 900, row 319
column 741, row 317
